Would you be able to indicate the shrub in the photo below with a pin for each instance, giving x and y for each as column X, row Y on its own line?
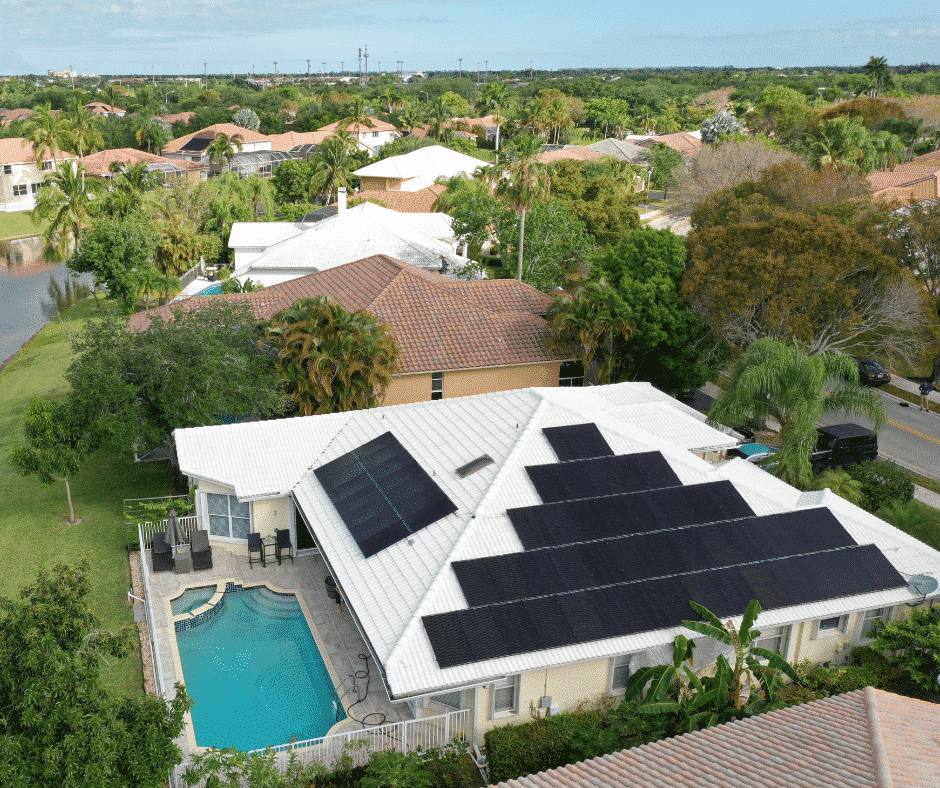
column 247, row 119
column 883, row 483
column 515, row 750
column 451, row 766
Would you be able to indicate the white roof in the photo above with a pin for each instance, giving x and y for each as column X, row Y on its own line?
column 393, row 589
column 263, row 234
column 422, row 167
column 356, row 233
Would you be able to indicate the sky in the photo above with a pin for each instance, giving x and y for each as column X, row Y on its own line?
column 136, row 36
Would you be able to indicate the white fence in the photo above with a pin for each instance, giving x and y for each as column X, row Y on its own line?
column 147, row 529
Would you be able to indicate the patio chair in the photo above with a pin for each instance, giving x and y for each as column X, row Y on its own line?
column 255, row 546
column 282, row 542
column 201, row 551
column 162, row 553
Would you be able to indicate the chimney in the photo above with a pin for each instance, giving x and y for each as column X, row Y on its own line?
column 341, row 199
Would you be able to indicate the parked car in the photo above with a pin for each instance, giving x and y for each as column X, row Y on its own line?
column 843, row 444
column 871, row 372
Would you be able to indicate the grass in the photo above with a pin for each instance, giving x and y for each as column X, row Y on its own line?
column 927, row 483
column 922, row 522
column 18, row 224
column 908, row 396
column 33, row 530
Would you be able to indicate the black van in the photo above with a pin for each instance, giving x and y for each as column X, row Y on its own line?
column 843, row 444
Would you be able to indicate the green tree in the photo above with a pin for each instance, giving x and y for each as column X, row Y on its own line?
column 152, row 131
column 878, row 72
column 356, row 115
column 48, row 130
column 291, row 181
column 474, row 209
column 410, row 117
column 396, row 770
column 915, row 642
column 523, row 181
column 840, row 483
column 61, row 726
column 56, row 445
column 260, row 194
column 665, row 164
column 495, row 98
column 65, row 199
column 332, row 167
column 780, row 380
column 330, row 360
column 439, row 115
column 222, row 149
column 84, row 132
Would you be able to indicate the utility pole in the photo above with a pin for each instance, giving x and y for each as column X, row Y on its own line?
column 324, row 71
column 177, row 72
column 478, row 72
column 486, row 72
column 342, row 67
column 205, row 74
column 366, row 55
column 72, row 76
column 275, row 73
column 360, row 64
column 460, row 60
column 153, row 77
column 308, row 73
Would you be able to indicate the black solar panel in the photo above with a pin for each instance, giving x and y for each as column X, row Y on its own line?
column 197, row 144
column 577, row 442
column 481, row 633
column 555, row 570
column 589, row 478
column 382, row 493
column 631, row 513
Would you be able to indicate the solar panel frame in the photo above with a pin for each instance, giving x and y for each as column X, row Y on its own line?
column 577, row 441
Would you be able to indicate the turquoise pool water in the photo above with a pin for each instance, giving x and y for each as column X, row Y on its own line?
column 211, row 290
column 255, row 674
column 191, row 598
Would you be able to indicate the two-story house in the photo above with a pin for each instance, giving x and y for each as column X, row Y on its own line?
column 20, row 177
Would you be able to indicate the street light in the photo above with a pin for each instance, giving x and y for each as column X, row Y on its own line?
column 425, row 93
column 167, row 96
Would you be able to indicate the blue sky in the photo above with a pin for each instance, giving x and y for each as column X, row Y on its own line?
column 130, row 36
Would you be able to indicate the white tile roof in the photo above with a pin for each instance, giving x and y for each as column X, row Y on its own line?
column 423, row 166
column 393, row 589
column 263, row 234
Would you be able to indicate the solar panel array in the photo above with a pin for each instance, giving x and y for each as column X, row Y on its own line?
column 382, row 493
column 197, row 144
column 619, row 546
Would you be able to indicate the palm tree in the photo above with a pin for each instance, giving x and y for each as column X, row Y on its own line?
column 48, row 130
column 66, row 202
column 128, row 185
column 151, row 130
column 357, row 115
column 780, row 380
column 843, row 485
column 840, row 141
column 332, row 168
column 330, row 360
column 589, row 325
column 260, row 194
column 223, row 148
column 85, row 133
column 887, row 150
column 410, row 117
column 523, row 180
column 877, row 70
column 111, row 94
column 495, row 99
column 439, row 114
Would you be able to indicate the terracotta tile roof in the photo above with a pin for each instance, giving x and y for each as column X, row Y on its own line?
column 247, row 135
column 933, row 156
column 13, row 151
column 904, row 175
column 100, row 108
column 577, row 152
column 440, row 324
column 100, row 163
column 377, row 125
column 421, row 201
column 286, row 141
column 485, row 121
column 681, row 141
column 863, row 739
column 179, row 117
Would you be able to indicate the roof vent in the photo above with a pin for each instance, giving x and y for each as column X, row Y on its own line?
column 474, row 465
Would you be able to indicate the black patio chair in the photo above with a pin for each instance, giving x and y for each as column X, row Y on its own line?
column 162, row 553
column 255, row 546
column 201, row 551
column 282, row 542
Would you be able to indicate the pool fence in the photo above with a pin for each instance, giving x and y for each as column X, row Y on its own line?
column 145, row 531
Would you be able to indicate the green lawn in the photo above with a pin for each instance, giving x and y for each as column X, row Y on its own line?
column 33, row 531
column 17, row 224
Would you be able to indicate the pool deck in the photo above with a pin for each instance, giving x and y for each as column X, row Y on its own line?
column 336, row 635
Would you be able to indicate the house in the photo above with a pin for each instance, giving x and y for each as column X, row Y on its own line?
column 502, row 551
column 105, row 110
column 99, row 165
column 369, row 138
column 462, row 127
column 420, row 201
column 193, row 147
column 456, row 337
column 177, row 117
column 417, row 170
column 620, row 149
column 10, row 115
column 860, row 739
column 687, row 143
column 424, row 240
column 20, row 177
column 918, row 179
column 575, row 152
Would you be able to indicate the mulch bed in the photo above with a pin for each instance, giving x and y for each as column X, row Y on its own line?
column 150, row 686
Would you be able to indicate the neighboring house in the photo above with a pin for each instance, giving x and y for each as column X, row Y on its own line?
column 456, row 337
column 462, row 127
column 105, row 110
column 420, row 201
column 177, row 117
column 687, row 143
column 575, row 152
column 192, row 147
column 620, row 149
column 99, row 165
column 305, row 140
column 417, row 170
column 20, row 178
column 9, row 116
column 503, row 551
column 917, row 180
column 863, row 739
column 424, row 240
column 370, row 138
column 249, row 240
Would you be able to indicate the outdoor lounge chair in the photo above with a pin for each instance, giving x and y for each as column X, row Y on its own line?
column 202, row 553
column 255, row 546
column 282, row 542
column 162, row 553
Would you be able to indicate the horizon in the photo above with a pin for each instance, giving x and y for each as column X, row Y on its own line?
column 141, row 37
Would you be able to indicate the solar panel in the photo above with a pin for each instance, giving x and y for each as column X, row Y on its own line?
column 500, row 630
column 197, row 144
column 620, row 515
column 382, row 493
column 602, row 476
column 577, row 442
column 556, row 570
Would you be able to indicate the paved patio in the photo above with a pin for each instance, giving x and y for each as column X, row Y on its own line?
column 333, row 628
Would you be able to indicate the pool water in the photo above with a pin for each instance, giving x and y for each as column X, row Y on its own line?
column 211, row 290
column 255, row 674
column 191, row 598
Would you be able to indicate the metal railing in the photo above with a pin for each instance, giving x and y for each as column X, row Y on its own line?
column 147, row 529
column 148, row 616
column 193, row 273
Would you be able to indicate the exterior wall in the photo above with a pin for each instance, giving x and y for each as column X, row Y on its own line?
column 28, row 175
column 381, row 184
column 417, row 388
column 268, row 515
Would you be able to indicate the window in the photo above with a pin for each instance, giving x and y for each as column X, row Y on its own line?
column 228, row 516
column 504, row 698
column 19, row 190
column 831, row 626
column 437, row 385
column 7, row 169
column 35, row 187
column 773, row 639
column 48, row 165
column 619, row 672
column 375, row 134
column 571, row 373
column 869, row 617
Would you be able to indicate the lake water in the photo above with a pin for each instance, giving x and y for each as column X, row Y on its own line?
column 24, row 284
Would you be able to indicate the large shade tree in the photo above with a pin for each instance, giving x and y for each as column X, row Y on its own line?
column 330, row 360
column 774, row 379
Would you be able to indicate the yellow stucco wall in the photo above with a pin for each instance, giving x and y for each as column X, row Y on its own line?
column 417, row 388
column 209, row 487
column 266, row 516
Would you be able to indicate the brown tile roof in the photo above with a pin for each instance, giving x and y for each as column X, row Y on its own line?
column 13, row 151
column 681, row 141
column 933, row 156
column 440, row 324
column 100, row 108
column 179, row 117
column 863, row 739
column 6, row 118
column 100, row 163
column 421, row 201
column 904, row 175
column 377, row 125
column 579, row 153
column 247, row 135
column 286, row 141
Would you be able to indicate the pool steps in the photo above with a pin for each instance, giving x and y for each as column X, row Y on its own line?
column 209, row 610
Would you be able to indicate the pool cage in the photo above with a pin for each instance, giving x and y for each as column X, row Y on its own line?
column 262, row 162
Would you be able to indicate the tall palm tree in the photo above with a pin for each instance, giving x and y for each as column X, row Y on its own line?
column 840, row 141
column 886, row 150
column 495, row 99
column 84, row 133
column 152, row 131
column 411, row 117
column 330, row 360
column 66, row 202
column 780, row 380
column 260, row 194
column 111, row 95
column 223, row 148
column 522, row 181
column 357, row 115
column 877, row 70
column 439, row 113
column 332, row 167
column 48, row 130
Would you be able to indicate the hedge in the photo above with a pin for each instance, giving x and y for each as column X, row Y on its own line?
column 516, row 750
column 883, row 483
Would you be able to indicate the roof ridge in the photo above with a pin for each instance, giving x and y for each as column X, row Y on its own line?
column 878, row 750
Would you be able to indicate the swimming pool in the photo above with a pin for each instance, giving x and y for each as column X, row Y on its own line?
column 211, row 290
column 255, row 673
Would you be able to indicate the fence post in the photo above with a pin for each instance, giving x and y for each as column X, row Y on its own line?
column 446, row 729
